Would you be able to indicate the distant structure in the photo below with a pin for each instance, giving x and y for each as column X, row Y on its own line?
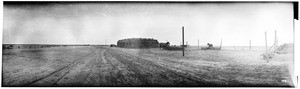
column 113, row 45
column 211, row 47
column 138, row 43
column 164, row 45
column 167, row 46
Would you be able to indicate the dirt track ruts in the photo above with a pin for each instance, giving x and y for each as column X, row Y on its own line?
column 109, row 67
column 99, row 66
column 60, row 72
column 150, row 74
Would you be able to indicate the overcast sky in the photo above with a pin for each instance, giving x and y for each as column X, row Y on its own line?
column 93, row 23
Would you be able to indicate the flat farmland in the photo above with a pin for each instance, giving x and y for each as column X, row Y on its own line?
column 112, row 66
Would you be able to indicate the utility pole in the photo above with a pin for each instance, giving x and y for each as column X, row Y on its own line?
column 182, row 40
column 267, row 55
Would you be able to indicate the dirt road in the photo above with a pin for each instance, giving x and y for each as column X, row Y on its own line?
column 104, row 66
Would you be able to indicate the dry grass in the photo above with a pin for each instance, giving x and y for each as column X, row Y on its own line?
column 105, row 66
column 232, row 67
column 27, row 64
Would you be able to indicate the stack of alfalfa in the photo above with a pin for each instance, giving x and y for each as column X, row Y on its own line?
column 285, row 48
column 282, row 49
column 138, row 43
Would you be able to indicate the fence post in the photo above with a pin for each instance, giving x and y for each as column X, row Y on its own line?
column 186, row 44
column 250, row 44
column 221, row 44
column 267, row 55
column 182, row 40
column 275, row 42
column 198, row 43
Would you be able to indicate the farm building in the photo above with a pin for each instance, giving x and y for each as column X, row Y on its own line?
column 138, row 43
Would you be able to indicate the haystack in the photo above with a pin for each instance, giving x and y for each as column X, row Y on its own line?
column 285, row 48
column 138, row 43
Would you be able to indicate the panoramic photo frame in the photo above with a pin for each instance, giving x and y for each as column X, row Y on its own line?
column 148, row 44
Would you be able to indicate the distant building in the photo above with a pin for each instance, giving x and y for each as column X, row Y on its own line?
column 113, row 45
column 138, row 43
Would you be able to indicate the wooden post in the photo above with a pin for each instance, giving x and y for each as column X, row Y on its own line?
column 221, row 44
column 182, row 40
column 250, row 44
column 186, row 44
column 275, row 42
column 198, row 43
column 267, row 55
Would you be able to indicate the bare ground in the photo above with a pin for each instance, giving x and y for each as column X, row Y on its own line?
column 104, row 66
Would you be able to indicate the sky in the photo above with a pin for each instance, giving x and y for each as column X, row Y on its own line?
column 106, row 23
